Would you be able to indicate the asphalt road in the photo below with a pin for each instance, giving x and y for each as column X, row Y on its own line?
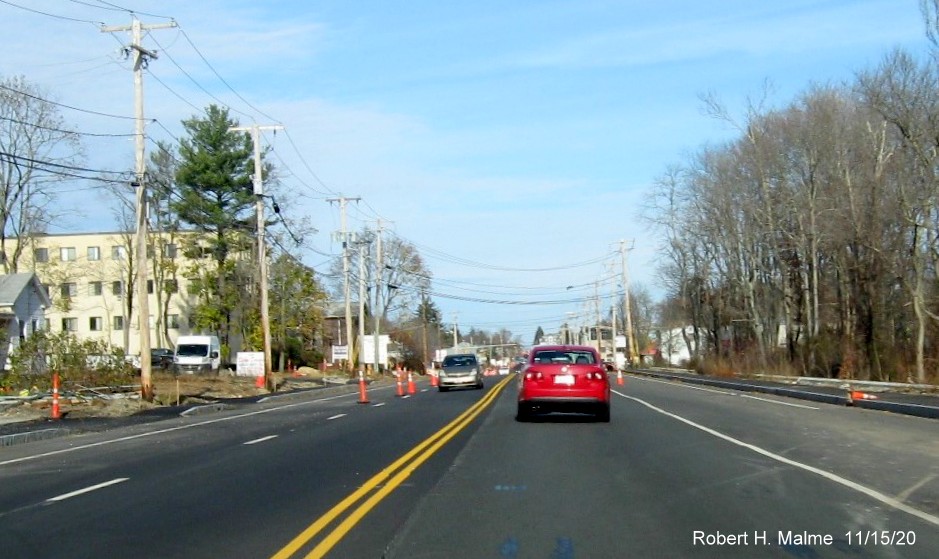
column 681, row 471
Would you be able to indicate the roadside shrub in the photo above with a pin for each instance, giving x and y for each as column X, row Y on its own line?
column 714, row 367
column 82, row 362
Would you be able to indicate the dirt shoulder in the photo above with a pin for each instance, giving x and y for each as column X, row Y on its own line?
column 170, row 391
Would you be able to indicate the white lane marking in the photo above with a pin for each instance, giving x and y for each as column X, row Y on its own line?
column 873, row 493
column 261, row 440
column 172, row 429
column 726, row 393
column 88, row 489
column 337, row 416
column 378, row 405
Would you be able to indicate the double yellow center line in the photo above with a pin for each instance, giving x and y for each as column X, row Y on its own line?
column 395, row 474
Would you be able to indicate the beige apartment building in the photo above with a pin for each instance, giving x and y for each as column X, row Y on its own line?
column 86, row 277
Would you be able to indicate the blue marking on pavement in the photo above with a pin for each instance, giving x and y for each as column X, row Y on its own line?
column 509, row 548
column 564, row 549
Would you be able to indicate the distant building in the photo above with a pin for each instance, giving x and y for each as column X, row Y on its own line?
column 85, row 276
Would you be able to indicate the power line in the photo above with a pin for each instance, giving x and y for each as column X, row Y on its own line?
column 109, row 5
column 53, row 129
column 36, row 97
column 47, row 14
column 219, row 76
column 13, row 158
column 193, row 80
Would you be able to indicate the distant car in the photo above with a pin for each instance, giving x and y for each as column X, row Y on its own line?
column 161, row 358
column 518, row 364
column 504, row 370
column 567, row 379
column 459, row 371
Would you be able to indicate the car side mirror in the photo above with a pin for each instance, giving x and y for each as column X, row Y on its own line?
column 214, row 354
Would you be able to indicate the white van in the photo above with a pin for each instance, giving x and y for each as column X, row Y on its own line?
column 197, row 354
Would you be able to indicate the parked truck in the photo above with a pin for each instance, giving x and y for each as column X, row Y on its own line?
column 197, row 354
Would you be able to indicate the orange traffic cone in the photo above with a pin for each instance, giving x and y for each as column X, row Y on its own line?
column 259, row 382
column 412, row 388
column 363, row 394
column 858, row 395
column 55, row 397
column 433, row 378
column 400, row 382
column 619, row 378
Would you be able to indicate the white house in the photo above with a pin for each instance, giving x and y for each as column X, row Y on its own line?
column 23, row 304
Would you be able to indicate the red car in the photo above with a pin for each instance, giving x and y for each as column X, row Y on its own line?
column 564, row 378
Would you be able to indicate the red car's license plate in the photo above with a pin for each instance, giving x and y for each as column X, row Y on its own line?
column 564, row 379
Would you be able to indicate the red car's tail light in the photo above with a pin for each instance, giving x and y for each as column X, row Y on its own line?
column 595, row 375
column 534, row 375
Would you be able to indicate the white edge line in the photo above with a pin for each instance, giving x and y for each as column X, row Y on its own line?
column 337, row 416
column 378, row 405
column 88, row 489
column 170, row 430
column 873, row 493
column 715, row 391
column 261, row 440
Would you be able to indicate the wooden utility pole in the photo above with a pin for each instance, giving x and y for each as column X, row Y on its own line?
column 379, row 270
column 141, row 57
column 255, row 131
column 631, row 339
column 344, row 236
column 361, row 356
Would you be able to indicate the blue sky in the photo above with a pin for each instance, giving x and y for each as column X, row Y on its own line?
column 511, row 135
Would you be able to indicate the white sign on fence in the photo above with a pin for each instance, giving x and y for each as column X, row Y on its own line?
column 368, row 349
column 250, row 364
column 340, row 352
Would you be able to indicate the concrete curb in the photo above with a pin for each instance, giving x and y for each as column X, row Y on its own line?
column 32, row 436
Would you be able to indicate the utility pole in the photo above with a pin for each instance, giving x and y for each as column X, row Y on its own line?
column 379, row 268
column 255, row 131
column 142, row 57
column 361, row 359
column 631, row 339
column 344, row 236
column 613, row 311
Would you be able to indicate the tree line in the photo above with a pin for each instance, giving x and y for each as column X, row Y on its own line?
column 809, row 242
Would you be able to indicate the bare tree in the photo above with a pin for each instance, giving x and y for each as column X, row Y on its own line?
column 36, row 148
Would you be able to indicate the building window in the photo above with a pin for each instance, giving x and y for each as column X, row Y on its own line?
column 172, row 321
column 69, row 324
column 67, row 254
column 41, row 255
column 171, row 286
column 118, row 322
column 169, row 250
column 68, row 290
column 150, row 252
column 117, row 288
column 94, row 254
column 95, row 324
column 149, row 286
column 118, row 252
column 95, row 288
column 36, row 324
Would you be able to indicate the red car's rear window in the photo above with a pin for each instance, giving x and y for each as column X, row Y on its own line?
column 564, row 358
